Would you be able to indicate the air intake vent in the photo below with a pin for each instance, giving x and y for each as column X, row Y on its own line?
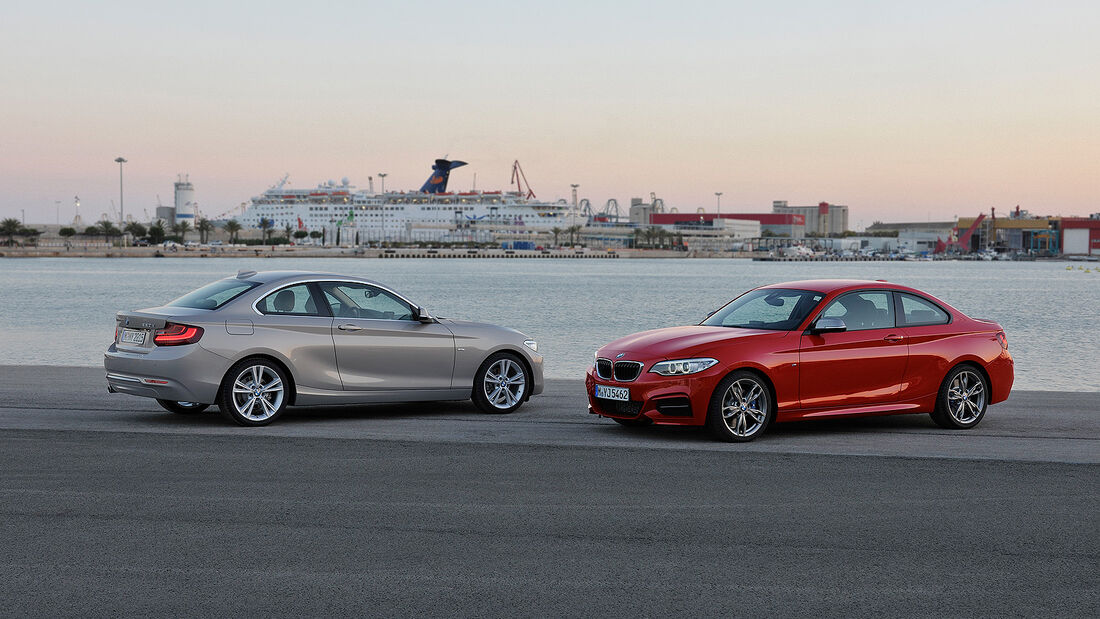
column 627, row 371
column 603, row 368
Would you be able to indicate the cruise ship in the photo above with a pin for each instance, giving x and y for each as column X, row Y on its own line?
column 431, row 213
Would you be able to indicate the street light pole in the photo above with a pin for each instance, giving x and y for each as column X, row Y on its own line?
column 718, row 194
column 382, row 235
column 121, row 209
column 574, row 186
column 57, row 205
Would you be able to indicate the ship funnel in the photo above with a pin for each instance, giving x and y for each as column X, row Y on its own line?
column 441, row 171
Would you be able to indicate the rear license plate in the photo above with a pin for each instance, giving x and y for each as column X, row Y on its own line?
column 613, row 393
column 132, row 336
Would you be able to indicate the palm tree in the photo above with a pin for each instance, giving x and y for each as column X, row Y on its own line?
column 638, row 237
column 107, row 229
column 205, row 227
column 288, row 229
column 573, row 230
column 233, row 228
column 10, row 227
column 66, row 232
column 180, row 229
column 156, row 232
column 135, row 229
column 265, row 227
column 556, row 232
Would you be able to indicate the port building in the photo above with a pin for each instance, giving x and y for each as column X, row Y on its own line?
column 822, row 219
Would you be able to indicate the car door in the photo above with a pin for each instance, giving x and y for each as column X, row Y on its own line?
column 294, row 322
column 933, row 343
column 381, row 346
column 862, row 365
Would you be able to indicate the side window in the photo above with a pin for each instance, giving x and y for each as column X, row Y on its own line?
column 863, row 310
column 350, row 300
column 917, row 311
column 291, row 301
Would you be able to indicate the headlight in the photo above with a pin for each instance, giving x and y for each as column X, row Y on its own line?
column 682, row 366
column 532, row 344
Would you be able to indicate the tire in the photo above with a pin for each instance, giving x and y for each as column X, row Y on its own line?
column 501, row 384
column 183, row 408
column 962, row 400
column 637, row 422
column 253, row 383
column 741, row 407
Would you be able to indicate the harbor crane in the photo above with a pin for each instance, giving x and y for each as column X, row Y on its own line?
column 519, row 179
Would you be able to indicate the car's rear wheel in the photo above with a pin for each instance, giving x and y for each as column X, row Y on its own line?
column 183, row 408
column 501, row 384
column 255, row 392
column 741, row 407
column 962, row 400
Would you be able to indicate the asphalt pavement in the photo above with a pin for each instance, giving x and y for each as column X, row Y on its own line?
column 108, row 505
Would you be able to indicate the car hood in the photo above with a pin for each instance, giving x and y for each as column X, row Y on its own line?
column 678, row 341
column 469, row 328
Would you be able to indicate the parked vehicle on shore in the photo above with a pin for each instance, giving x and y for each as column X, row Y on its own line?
column 806, row 350
column 259, row 342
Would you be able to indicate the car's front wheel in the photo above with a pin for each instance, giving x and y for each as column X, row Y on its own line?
column 962, row 400
column 501, row 384
column 255, row 392
column 183, row 408
column 741, row 407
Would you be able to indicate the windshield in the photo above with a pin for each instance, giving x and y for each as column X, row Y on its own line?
column 778, row 309
column 214, row 295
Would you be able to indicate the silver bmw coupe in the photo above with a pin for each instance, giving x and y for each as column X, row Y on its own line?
column 259, row 342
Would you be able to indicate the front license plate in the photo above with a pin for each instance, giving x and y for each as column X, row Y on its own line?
column 132, row 336
column 613, row 393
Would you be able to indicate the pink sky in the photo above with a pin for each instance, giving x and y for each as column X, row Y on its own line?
column 929, row 111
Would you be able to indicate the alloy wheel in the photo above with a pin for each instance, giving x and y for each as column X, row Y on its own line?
column 504, row 384
column 966, row 397
column 745, row 407
column 258, row 393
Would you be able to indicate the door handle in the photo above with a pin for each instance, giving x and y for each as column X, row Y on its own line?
column 894, row 338
column 350, row 328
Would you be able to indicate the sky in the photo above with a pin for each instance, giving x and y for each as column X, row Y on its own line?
column 902, row 111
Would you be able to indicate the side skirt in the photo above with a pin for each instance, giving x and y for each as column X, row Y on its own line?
column 922, row 404
column 319, row 397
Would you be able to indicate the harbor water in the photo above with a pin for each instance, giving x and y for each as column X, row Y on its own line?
column 61, row 311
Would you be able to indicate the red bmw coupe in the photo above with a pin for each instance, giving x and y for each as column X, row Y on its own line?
column 806, row 350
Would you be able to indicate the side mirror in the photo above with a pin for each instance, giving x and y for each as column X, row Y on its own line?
column 422, row 315
column 828, row 325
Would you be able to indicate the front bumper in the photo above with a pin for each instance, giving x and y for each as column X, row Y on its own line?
column 537, row 382
column 187, row 373
column 668, row 400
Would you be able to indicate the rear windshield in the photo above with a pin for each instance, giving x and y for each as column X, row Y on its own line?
column 770, row 308
column 214, row 295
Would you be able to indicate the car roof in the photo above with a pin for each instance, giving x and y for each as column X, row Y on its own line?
column 278, row 277
column 839, row 285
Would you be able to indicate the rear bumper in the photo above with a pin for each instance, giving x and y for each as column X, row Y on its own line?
column 183, row 373
column 678, row 401
column 1002, row 372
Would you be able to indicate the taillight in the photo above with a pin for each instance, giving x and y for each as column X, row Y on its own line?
column 1003, row 339
column 176, row 334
